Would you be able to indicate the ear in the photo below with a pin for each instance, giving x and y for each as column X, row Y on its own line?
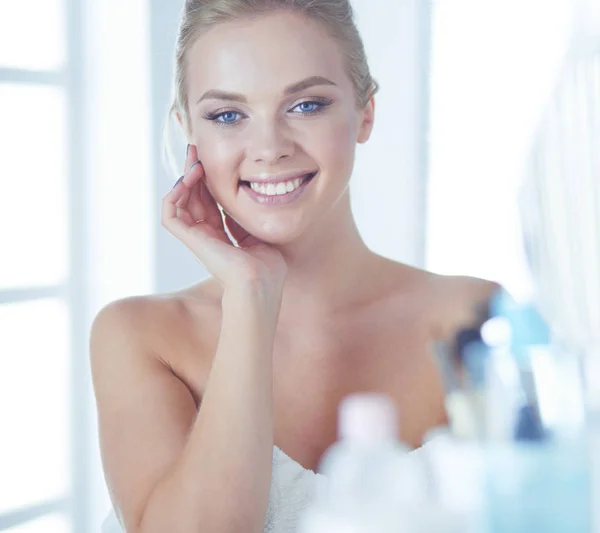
column 183, row 127
column 367, row 119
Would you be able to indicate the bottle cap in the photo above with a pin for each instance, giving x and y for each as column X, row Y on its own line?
column 368, row 417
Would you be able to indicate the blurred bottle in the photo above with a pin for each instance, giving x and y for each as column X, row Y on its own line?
column 537, row 456
column 365, row 477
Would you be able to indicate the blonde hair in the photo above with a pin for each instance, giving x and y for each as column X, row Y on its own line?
column 336, row 16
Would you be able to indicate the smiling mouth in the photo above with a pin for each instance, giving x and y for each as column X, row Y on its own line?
column 278, row 189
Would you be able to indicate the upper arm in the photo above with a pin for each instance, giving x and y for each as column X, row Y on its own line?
column 144, row 411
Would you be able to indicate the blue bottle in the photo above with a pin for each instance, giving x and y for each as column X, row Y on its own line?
column 537, row 473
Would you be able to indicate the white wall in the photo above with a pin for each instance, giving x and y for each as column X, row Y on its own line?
column 175, row 266
column 388, row 187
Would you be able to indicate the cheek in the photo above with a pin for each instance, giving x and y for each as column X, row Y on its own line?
column 219, row 157
column 219, row 161
column 336, row 145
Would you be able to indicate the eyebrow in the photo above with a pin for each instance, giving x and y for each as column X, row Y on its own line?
column 291, row 89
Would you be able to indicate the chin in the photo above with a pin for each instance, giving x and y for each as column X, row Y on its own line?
column 276, row 233
column 278, row 238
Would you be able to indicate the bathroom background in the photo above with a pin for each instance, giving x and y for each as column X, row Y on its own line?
column 84, row 87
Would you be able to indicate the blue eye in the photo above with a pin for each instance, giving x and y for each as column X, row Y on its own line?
column 312, row 106
column 232, row 118
column 308, row 107
column 228, row 117
column 224, row 118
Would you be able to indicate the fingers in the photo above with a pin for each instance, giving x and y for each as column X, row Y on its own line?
column 194, row 173
column 191, row 157
column 190, row 201
column 201, row 204
column 176, row 215
column 193, row 170
column 171, row 217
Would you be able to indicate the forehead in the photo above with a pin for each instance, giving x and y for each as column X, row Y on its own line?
column 267, row 52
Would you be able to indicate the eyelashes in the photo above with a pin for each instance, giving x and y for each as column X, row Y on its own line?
column 227, row 117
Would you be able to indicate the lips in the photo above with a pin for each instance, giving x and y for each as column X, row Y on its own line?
column 273, row 200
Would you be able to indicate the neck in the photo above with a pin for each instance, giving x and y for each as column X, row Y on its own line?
column 326, row 266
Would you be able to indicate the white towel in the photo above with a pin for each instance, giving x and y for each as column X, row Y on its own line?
column 292, row 490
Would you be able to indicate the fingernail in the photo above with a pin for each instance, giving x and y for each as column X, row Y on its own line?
column 192, row 166
column 187, row 150
column 177, row 182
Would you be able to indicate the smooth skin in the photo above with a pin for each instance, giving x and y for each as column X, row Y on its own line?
column 194, row 387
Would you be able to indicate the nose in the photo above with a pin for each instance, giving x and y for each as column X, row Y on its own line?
column 270, row 143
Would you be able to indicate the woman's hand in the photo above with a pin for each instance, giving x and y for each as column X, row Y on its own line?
column 191, row 214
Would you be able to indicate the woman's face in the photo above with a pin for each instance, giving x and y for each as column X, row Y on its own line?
column 269, row 98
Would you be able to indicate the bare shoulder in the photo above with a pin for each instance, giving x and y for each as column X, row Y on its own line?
column 443, row 302
column 163, row 326
column 146, row 403
column 457, row 289
column 456, row 300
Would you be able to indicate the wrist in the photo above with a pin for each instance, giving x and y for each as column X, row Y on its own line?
column 253, row 296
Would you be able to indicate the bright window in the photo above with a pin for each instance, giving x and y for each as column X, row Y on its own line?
column 33, row 203
column 493, row 63
column 35, row 311
column 32, row 34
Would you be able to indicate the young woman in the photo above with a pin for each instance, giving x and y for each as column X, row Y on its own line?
column 196, row 389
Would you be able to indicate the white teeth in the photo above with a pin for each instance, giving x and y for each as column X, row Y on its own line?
column 280, row 189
